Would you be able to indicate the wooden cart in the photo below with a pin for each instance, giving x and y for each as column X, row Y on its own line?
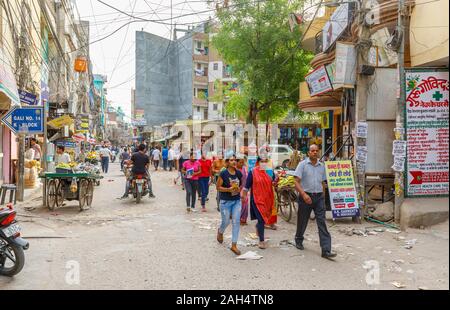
column 57, row 187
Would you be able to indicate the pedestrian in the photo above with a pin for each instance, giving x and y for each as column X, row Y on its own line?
column 204, row 179
column 125, row 155
column 242, row 167
column 105, row 155
column 165, row 157
column 37, row 149
column 217, row 167
column 62, row 157
column 171, row 158
column 259, row 184
column 156, row 155
column 309, row 183
column 191, row 170
column 228, row 185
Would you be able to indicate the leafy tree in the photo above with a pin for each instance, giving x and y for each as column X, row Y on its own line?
column 254, row 38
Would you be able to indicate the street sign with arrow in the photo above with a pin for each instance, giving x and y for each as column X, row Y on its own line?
column 26, row 120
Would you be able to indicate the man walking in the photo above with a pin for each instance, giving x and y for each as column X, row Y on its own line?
column 171, row 158
column 156, row 155
column 105, row 155
column 309, row 178
column 165, row 157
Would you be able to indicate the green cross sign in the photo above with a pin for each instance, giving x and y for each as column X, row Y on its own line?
column 437, row 95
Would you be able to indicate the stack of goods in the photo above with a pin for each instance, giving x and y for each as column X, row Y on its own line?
column 31, row 173
column 92, row 157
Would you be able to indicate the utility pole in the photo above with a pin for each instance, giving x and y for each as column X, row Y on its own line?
column 400, row 117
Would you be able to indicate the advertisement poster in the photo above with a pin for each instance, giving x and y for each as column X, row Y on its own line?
column 341, row 186
column 318, row 82
column 427, row 133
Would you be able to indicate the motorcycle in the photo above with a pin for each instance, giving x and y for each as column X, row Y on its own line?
column 139, row 186
column 12, row 258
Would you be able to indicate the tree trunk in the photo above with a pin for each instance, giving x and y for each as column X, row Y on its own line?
column 253, row 117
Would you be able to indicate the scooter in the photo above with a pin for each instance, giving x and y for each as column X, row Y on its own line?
column 12, row 258
column 139, row 186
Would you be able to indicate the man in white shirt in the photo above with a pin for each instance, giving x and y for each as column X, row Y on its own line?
column 156, row 155
column 61, row 156
column 105, row 155
column 171, row 158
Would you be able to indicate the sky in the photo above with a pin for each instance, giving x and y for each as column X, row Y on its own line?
column 115, row 56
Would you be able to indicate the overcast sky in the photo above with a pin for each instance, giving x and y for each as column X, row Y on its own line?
column 115, row 56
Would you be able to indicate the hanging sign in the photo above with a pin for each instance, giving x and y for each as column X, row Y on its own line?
column 341, row 187
column 318, row 82
column 427, row 132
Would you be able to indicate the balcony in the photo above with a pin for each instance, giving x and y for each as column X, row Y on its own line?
column 329, row 101
column 201, row 79
column 200, row 58
column 200, row 102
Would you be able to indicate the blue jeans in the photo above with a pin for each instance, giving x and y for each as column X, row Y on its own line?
column 233, row 208
column 204, row 189
column 105, row 164
column 165, row 163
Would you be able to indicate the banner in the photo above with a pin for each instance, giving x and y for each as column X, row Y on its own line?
column 341, row 187
column 60, row 122
column 318, row 81
column 427, row 133
column 82, row 123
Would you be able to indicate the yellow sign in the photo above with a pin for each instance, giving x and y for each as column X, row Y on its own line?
column 60, row 122
column 325, row 120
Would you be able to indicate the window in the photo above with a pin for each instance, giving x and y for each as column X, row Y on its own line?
column 198, row 109
column 282, row 150
column 215, row 107
column 199, row 66
column 216, row 66
column 199, row 44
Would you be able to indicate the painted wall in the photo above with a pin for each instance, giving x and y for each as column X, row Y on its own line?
column 429, row 33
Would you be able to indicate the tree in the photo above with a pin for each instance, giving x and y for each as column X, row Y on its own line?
column 254, row 38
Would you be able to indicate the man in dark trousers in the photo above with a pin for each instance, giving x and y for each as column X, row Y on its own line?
column 309, row 178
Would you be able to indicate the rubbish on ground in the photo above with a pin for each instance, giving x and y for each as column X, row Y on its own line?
column 394, row 231
column 399, row 238
column 398, row 284
column 250, row 255
column 313, row 270
column 410, row 271
column 359, row 232
column 253, row 236
column 149, row 230
column 387, row 251
column 286, row 243
column 372, row 233
column 399, row 261
column 379, row 229
column 409, row 244
column 250, row 242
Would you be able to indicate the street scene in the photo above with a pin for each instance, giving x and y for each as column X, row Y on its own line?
column 224, row 145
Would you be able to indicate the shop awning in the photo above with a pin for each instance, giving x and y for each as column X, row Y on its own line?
column 8, row 85
column 169, row 137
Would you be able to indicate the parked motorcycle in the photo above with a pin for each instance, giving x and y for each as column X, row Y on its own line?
column 12, row 258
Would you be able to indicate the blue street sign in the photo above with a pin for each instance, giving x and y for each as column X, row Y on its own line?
column 28, row 98
column 66, row 144
column 27, row 120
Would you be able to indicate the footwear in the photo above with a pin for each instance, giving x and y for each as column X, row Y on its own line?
column 299, row 246
column 328, row 254
column 124, row 197
column 234, row 249
column 152, row 196
column 207, row 199
column 193, row 210
column 262, row 245
column 219, row 237
column 188, row 210
column 203, row 209
column 243, row 223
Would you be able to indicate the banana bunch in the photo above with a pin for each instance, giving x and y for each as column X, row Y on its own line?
column 288, row 181
column 72, row 164
column 63, row 166
column 92, row 155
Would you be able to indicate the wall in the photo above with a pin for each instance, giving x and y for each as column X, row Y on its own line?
column 164, row 73
column 429, row 33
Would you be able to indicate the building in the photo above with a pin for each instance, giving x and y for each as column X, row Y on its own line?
column 354, row 83
column 180, row 79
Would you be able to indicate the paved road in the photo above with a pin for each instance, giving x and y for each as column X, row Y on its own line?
column 157, row 245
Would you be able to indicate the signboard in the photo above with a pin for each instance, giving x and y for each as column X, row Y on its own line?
column 341, row 187
column 28, row 98
column 318, row 82
column 361, row 129
column 345, row 66
column 139, row 119
column 67, row 144
column 28, row 120
column 60, row 122
column 326, row 119
column 336, row 25
column 427, row 132
column 82, row 123
column 8, row 84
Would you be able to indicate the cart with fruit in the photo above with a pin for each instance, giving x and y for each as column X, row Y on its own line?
column 69, row 182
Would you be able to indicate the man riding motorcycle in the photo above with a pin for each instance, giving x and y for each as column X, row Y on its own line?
column 140, row 162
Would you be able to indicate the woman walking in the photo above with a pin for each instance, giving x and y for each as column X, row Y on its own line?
column 228, row 186
column 261, row 197
column 204, row 179
column 242, row 167
column 191, row 169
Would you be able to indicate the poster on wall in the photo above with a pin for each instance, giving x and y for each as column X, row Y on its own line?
column 341, row 187
column 318, row 81
column 427, row 133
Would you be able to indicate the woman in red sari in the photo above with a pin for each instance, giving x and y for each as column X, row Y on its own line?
column 259, row 182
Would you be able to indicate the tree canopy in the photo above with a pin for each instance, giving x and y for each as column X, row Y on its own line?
column 255, row 39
